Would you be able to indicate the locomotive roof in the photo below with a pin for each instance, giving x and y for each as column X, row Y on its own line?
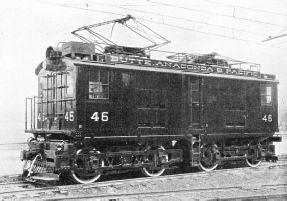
column 111, row 55
column 198, row 65
column 130, row 63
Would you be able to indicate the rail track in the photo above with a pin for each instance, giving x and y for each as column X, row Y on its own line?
column 56, row 193
column 141, row 187
column 4, row 187
column 191, row 193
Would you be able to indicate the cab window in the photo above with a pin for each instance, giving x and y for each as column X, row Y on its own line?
column 98, row 84
column 266, row 94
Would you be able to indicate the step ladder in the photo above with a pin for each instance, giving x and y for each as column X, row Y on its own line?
column 195, row 149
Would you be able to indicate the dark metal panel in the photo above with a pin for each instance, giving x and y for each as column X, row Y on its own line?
column 234, row 106
column 213, row 101
column 253, row 106
column 96, row 112
column 151, row 103
column 269, row 107
column 174, row 104
column 99, row 116
column 114, row 115
column 124, row 92
column 163, row 104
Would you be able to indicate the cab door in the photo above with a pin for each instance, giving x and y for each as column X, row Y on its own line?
column 269, row 112
column 235, row 113
column 99, row 110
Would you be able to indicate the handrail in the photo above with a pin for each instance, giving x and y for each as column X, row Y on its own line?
column 32, row 102
column 26, row 113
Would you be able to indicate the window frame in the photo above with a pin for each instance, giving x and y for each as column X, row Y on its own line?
column 99, row 84
column 266, row 94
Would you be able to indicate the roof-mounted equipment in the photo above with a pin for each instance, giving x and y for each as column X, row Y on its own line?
column 213, row 59
column 105, row 45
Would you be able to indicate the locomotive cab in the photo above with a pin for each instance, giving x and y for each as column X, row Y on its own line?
column 108, row 113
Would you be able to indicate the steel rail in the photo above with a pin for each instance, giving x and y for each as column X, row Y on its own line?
column 66, row 188
column 157, row 193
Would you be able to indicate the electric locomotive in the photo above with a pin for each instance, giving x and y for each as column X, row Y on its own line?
column 119, row 110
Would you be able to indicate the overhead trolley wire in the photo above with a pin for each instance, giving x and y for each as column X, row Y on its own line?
column 197, row 31
column 281, row 31
column 179, row 18
column 268, row 12
column 188, row 29
column 263, row 11
column 240, row 18
column 88, row 9
column 279, row 43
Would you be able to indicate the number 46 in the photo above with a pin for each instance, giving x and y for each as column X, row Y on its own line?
column 69, row 116
column 267, row 118
column 104, row 116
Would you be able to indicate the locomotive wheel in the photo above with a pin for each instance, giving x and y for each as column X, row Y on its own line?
column 81, row 178
column 207, row 167
column 155, row 173
column 252, row 163
column 84, row 179
column 206, row 162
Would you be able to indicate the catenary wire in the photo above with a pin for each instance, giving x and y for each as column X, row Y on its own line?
column 247, row 8
column 107, row 12
column 179, row 18
column 192, row 9
column 280, row 32
column 279, row 43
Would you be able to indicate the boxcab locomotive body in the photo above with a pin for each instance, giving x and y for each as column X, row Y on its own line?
column 98, row 114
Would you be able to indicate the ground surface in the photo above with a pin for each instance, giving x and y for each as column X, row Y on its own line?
column 268, row 179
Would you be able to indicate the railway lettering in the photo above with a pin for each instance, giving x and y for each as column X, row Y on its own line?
column 180, row 65
column 209, row 69
column 267, row 118
column 104, row 116
column 69, row 116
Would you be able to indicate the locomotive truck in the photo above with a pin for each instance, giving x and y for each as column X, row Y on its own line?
column 106, row 113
